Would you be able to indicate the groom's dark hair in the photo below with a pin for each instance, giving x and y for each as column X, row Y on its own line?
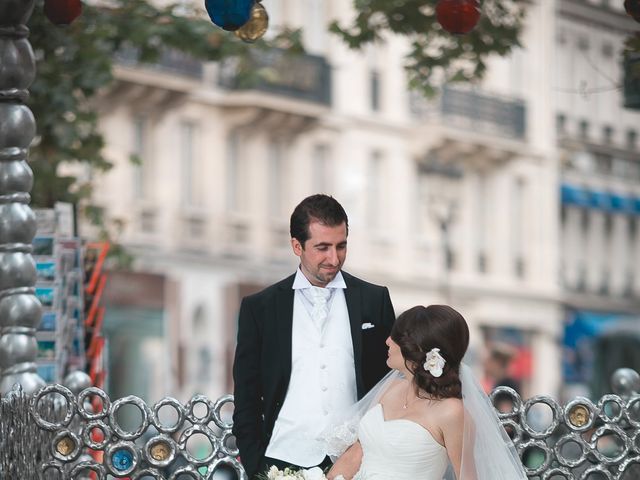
column 319, row 208
column 421, row 329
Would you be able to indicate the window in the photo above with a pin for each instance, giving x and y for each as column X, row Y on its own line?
column 481, row 219
column 632, row 242
column 607, row 134
column 374, row 190
column 233, row 172
column 277, row 182
column 584, row 130
column 561, row 124
column 585, row 222
column 518, row 223
column 604, row 163
column 374, row 85
column 320, row 169
column 191, row 194
column 632, row 139
column 583, row 43
column 138, row 155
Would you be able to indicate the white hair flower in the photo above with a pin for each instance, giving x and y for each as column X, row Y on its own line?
column 434, row 363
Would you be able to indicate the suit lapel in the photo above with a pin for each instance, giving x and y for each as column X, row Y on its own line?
column 353, row 296
column 284, row 322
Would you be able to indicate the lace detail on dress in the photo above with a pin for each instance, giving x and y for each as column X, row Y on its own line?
column 341, row 437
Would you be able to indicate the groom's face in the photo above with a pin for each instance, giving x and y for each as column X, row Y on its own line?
column 323, row 254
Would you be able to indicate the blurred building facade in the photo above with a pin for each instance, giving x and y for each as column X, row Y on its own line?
column 458, row 200
column 600, row 194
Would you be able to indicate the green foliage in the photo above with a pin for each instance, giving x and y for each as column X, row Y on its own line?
column 75, row 62
column 435, row 56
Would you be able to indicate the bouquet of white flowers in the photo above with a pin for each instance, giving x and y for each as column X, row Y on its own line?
column 315, row 473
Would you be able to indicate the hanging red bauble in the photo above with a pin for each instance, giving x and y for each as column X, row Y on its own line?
column 62, row 12
column 458, row 16
column 633, row 8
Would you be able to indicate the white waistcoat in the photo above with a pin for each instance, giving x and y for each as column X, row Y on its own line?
column 323, row 380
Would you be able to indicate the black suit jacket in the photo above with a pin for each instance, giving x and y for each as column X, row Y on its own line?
column 262, row 364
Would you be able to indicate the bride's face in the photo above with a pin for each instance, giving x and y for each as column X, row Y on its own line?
column 395, row 359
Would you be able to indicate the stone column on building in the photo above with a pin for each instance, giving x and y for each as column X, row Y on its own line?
column 20, row 309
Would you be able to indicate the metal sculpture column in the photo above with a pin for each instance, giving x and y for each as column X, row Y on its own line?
column 20, row 310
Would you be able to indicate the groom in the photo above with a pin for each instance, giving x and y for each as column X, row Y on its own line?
column 309, row 345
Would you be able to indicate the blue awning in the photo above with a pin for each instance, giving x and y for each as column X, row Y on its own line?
column 600, row 200
column 622, row 204
column 581, row 329
column 572, row 195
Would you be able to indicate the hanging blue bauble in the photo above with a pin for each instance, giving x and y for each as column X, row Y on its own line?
column 229, row 14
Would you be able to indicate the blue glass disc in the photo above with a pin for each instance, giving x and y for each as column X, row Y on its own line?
column 229, row 14
column 122, row 459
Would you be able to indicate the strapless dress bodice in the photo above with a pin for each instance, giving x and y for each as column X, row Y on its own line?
column 398, row 449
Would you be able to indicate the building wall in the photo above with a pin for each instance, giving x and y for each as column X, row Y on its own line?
column 222, row 170
column 599, row 171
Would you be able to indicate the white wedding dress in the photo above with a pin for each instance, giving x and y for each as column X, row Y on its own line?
column 398, row 450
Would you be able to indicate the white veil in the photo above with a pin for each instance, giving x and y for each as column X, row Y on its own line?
column 487, row 450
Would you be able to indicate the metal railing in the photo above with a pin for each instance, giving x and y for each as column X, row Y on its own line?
column 478, row 111
column 170, row 61
column 301, row 76
column 44, row 437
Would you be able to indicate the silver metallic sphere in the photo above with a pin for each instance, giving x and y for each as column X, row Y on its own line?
column 17, row 348
column 77, row 381
column 29, row 381
column 625, row 382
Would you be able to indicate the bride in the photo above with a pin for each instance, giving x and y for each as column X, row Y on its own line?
column 428, row 419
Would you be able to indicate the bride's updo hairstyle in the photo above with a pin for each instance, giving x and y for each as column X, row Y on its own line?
column 420, row 329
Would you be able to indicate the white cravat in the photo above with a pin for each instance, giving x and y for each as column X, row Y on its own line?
column 320, row 310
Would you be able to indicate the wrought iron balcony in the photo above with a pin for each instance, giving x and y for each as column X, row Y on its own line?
column 471, row 110
column 484, row 113
column 300, row 76
column 170, row 61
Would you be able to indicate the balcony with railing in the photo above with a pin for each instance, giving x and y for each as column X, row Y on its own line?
column 297, row 76
column 170, row 61
column 480, row 112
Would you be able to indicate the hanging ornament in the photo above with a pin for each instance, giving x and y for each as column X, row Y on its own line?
column 257, row 25
column 229, row 14
column 62, row 12
column 633, row 9
column 458, row 16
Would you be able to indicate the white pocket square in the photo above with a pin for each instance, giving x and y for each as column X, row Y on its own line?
column 367, row 326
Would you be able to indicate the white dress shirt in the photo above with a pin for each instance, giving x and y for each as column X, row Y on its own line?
column 323, row 377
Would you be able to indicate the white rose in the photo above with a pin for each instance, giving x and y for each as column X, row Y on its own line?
column 273, row 473
column 314, row 473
